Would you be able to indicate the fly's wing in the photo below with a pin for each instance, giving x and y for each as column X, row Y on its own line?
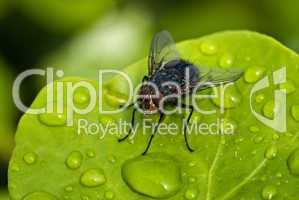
column 213, row 77
column 162, row 51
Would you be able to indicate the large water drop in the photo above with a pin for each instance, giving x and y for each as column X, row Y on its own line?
column 155, row 175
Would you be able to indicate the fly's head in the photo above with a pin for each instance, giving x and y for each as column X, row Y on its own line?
column 148, row 98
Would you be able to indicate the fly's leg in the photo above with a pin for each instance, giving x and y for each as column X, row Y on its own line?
column 191, row 108
column 145, row 78
column 162, row 116
column 131, row 128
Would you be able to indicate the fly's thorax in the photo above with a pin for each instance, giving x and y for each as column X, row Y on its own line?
column 176, row 77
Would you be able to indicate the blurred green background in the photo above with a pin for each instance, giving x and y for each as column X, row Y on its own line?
column 84, row 35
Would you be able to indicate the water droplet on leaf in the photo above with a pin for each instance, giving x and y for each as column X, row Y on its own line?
column 293, row 162
column 226, row 60
column 279, row 175
column 192, row 179
column 270, row 108
column 260, row 98
column 253, row 74
column 253, row 152
column 90, row 153
column 238, row 140
column 52, row 119
column 192, row 163
column 84, row 197
column 222, row 141
column 109, row 195
column 81, row 96
column 30, row 158
column 269, row 192
column 271, row 152
column 288, row 86
column 275, row 136
column 68, row 189
column 258, row 139
column 228, row 97
column 112, row 159
column 208, row 48
column 191, row 194
column 74, row 160
column 14, row 167
column 254, row 129
column 295, row 112
column 93, row 178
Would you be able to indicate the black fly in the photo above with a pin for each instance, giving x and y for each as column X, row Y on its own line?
column 165, row 65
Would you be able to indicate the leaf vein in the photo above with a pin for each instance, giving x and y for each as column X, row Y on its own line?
column 245, row 181
column 212, row 168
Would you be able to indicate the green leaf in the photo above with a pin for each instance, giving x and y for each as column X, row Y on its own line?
column 53, row 161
